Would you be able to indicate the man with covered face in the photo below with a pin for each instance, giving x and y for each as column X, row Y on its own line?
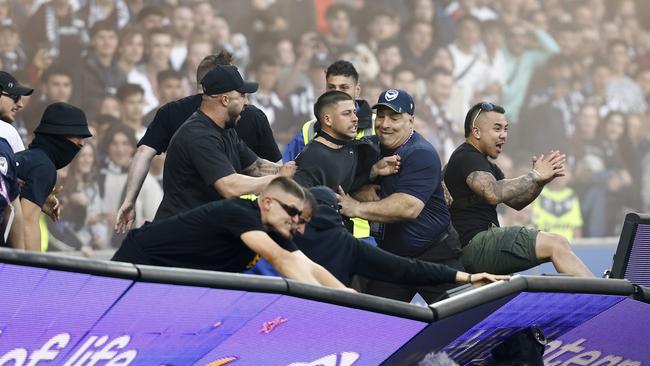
column 206, row 160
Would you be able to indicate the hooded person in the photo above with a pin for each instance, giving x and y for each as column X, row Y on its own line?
column 57, row 140
column 327, row 242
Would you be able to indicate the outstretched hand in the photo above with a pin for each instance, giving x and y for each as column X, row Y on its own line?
column 347, row 204
column 549, row 167
column 125, row 217
column 481, row 279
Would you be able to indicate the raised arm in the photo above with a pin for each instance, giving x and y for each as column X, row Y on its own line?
column 394, row 208
column 137, row 173
column 521, row 191
column 262, row 167
column 235, row 185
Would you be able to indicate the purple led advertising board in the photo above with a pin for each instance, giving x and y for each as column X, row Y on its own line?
column 618, row 336
column 554, row 313
column 50, row 317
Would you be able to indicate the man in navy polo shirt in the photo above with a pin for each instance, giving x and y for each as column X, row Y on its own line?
column 409, row 216
column 11, row 220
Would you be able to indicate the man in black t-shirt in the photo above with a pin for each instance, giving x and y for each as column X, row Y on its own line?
column 57, row 140
column 206, row 160
column 230, row 235
column 253, row 128
column 477, row 186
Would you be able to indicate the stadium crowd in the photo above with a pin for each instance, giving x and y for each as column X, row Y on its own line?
column 571, row 76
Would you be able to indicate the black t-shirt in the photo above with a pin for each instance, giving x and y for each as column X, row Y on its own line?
column 253, row 127
column 319, row 164
column 38, row 172
column 207, row 237
column 199, row 154
column 470, row 214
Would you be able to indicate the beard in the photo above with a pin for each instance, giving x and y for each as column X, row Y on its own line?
column 233, row 117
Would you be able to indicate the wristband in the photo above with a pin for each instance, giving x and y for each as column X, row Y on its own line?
column 469, row 278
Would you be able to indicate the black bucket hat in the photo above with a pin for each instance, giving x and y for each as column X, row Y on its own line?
column 63, row 119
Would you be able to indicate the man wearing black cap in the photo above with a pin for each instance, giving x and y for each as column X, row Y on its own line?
column 11, row 93
column 253, row 128
column 57, row 140
column 206, row 159
column 409, row 216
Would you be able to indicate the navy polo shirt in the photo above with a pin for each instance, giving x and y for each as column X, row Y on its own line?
column 419, row 176
column 8, row 172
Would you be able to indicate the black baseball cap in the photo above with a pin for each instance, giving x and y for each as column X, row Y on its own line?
column 225, row 78
column 63, row 119
column 10, row 85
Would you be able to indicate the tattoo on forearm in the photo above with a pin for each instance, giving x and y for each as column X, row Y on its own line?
column 262, row 167
column 518, row 191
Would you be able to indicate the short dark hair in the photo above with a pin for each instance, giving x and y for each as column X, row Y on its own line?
column 329, row 98
column 265, row 59
column 55, row 69
column 616, row 42
column 473, row 113
column 334, row 9
column 209, row 62
column 287, row 185
column 342, row 68
column 103, row 25
column 468, row 18
column 437, row 70
column 388, row 43
column 127, row 90
column 162, row 30
column 115, row 129
column 165, row 75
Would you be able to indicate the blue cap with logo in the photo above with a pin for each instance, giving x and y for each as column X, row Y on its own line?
column 397, row 100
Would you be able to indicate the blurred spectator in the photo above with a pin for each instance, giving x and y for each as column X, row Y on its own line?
column 236, row 43
column 130, row 53
column 203, row 17
column 405, row 79
column 114, row 12
column 302, row 99
column 159, row 47
column 110, row 106
column 56, row 27
column 557, row 209
column 198, row 47
column 182, row 20
column 389, row 57
column 265, row 70
column 101, row 76
column 151, row 17
column 342, row 37
column 170, row 88
column 81, row 202
column 131, row 98
column 495, row 61
column 56, row 86
column 119, row 146
column 600, row 75
column 623, row 93
column 418, row 48
column 383, row 26
column 522, row 59
column 12, row 55
column 433, row 110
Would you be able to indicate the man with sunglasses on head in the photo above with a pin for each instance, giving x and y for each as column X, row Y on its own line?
column 206, row 159
column 477, row 186
column 11, row 93
column 230, row 235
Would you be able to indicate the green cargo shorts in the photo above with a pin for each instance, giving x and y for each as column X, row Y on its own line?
column 501, row 250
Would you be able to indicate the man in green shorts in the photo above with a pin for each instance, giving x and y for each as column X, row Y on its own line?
column 477, row 186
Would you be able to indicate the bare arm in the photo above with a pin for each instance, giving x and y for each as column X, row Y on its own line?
column 516, row 193
column 521, row 191
column 16, row 237
column 394, row 208
column 291, row 265
column 137, row 173
column 31, row 215
column 262, row 167
column 235, row 185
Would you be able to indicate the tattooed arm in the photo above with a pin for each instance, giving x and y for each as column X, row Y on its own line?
column 516, row 193
column 262, row 167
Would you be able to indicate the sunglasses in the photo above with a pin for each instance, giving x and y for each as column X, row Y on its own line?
column 15, row 98
column 488, row 107
column 290, row 210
